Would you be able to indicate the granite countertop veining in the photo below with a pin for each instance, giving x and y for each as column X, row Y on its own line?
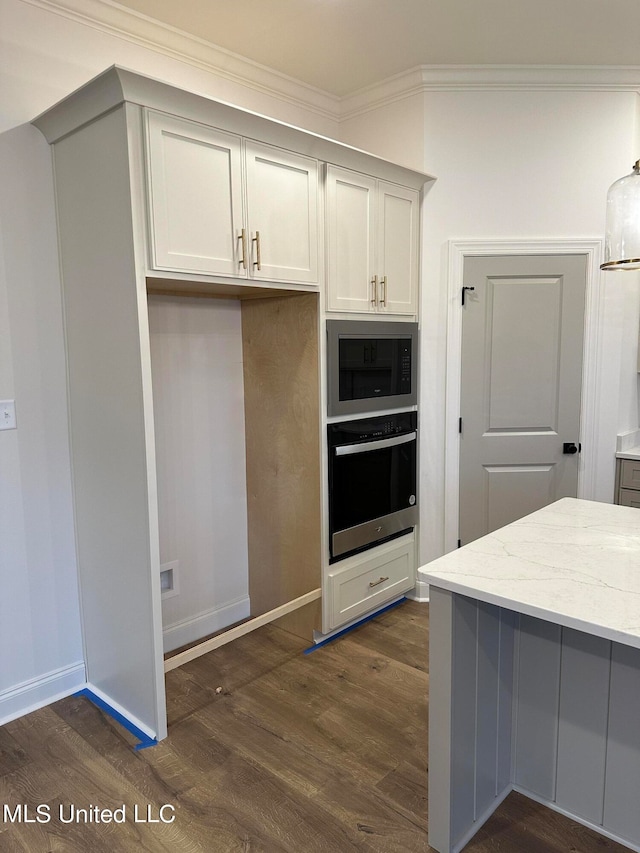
column 575, row 563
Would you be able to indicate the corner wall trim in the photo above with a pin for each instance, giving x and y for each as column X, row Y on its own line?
column 420, row 592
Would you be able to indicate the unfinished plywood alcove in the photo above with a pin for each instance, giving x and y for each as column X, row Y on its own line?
column 270, row 539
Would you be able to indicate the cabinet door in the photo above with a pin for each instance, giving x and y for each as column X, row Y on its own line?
column 398, row 236
column 282, row 208
column 629, row 497
column 351, row 232
column 629, row 474
column 195, row 197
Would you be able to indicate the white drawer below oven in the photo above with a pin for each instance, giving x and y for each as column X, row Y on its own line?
column 366, row 581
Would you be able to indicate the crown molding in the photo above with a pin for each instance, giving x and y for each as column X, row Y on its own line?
column 442, row 78
column 116, row 20
column 124, row 23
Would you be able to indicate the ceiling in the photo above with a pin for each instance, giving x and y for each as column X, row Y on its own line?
column 340, row 46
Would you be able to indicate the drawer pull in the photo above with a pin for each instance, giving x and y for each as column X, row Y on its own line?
column 377, row 583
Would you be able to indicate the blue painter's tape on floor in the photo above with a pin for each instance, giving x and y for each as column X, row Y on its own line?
column 144, row 739
column 351, row 627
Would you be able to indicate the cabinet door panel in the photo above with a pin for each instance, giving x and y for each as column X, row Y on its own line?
column 629, row 474
column 282, row 205
column 350, row 237
column 195, row 197
column 629, row 497
column 398, row 248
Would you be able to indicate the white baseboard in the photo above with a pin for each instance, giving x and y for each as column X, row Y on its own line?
column 192, row 629
column 420, row 592
column 38, row 692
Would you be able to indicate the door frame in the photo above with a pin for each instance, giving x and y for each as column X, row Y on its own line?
column 459, row 250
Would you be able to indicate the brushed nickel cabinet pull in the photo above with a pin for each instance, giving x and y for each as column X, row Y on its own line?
column 377, row 583
column 374, row 290
column 243, row 242
column 383, row 298
column 256, row 240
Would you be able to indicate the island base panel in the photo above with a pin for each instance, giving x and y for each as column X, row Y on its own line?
column 519, row 703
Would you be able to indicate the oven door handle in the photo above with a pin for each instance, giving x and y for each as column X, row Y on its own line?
column 366, row 446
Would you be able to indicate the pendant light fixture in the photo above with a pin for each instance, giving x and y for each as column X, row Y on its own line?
column 622, row 242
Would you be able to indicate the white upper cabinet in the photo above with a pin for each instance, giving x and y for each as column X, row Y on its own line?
column 350, row 241
column 220, row 205
column 398, row 248
column 372, row 244
column 195, row 196
column 282, row 214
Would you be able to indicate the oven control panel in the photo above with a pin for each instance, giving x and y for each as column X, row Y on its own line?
column 370, row 429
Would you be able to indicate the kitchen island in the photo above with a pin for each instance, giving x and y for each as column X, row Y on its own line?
column 535, row 673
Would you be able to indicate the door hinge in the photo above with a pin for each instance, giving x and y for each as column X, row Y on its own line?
column 460, row 425
column 464, row 290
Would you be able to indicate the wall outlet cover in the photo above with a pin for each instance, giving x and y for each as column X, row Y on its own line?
column 169, row 579
column 7, row 414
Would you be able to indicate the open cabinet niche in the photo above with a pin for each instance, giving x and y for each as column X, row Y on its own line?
column 236, row 411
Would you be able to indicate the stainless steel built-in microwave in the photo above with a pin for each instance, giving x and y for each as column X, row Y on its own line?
column 371, row 366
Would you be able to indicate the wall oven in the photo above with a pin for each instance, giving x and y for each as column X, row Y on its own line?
column 372, row 481
column 371, row 366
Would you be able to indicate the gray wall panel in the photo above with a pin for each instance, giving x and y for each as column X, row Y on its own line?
column 622, row 793
column 505, row 699
column 582, row 730
column 465, row 620
column 538, row 699
column 440, row 644
column 487, row 706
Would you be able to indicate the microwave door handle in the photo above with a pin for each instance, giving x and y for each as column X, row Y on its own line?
column 366, row 446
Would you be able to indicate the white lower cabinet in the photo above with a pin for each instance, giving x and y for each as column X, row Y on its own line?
column 366, row 581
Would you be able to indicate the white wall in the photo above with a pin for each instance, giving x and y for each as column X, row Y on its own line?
column 198, row 401
column 517, row 165
column 395, row 131
column 43, row 57
column 39, row 617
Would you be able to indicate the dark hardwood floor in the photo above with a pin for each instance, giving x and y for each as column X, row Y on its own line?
column 268, row 750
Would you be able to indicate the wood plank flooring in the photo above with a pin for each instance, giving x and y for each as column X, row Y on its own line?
column 269, row 751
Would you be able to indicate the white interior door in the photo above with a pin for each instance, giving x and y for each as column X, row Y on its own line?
column 522, row 342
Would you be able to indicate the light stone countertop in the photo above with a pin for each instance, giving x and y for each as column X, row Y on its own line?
column 631, row 453
column 575, row 563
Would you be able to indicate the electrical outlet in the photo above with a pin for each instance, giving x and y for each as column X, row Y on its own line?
column 7, row 414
